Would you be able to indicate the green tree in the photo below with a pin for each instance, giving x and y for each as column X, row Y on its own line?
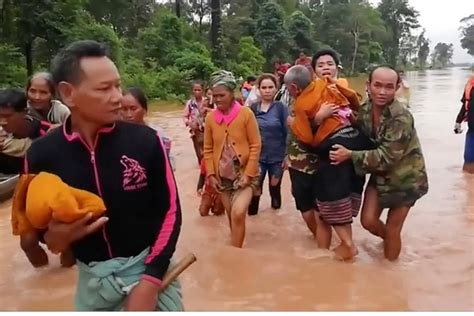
column 467, row 34
column 102, row 33
column 12, row 71
column 400, row 19
column 365, row 26
column 29, row 21
column 216, row 32
column 299, row 30
column 442, row 55
column 126, row 17
column 200, row 9
column 250, row 60
column 423, row 45
column 408, row 49
column 271, row 32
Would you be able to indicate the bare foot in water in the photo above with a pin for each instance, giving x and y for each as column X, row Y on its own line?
column 344, row 252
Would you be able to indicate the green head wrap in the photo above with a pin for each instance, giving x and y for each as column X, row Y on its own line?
column 224, row 78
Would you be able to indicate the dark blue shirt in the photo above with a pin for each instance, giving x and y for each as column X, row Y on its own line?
column 273, row 131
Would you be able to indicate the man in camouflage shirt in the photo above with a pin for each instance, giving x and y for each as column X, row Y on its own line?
column 397, row 167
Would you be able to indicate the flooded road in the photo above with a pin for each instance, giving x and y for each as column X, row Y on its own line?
column 280, row 267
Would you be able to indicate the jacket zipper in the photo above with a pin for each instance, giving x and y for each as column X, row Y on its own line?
column 97, row 182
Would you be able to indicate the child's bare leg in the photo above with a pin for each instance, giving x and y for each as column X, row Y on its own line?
column 34, row 252
column 240, row 206
column 310, row 220
column 370, row 214
column 323, row 233
column 218, row 208
column 346, row 250
column 67, row 258
column 205, row 205
column 393, row 241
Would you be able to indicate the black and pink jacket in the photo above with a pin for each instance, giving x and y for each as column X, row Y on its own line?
column 128, row 167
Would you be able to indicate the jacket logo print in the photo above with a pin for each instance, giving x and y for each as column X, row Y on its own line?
column 134, row 175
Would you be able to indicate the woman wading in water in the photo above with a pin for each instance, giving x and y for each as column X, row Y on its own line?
column 231, row 152
column 271, row 117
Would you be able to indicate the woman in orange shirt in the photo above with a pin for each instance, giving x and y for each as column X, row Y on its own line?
column 231, row 152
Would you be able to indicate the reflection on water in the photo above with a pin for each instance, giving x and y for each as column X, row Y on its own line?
column 280, row 267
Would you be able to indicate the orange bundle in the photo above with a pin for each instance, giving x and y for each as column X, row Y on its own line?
column 308, row 103
column 40, row 198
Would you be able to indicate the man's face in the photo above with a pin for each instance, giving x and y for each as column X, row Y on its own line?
column 11, row 121
column 293, row 89
column 97, row 96
column 383, row 86
column 326, row 67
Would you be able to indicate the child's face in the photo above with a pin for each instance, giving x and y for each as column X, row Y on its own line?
column 197, row 91
column 326, row 67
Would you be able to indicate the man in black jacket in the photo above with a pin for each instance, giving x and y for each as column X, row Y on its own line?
column 126, row 164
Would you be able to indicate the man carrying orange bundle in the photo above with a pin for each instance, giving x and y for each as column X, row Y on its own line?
column 123, row 256
column 323, row 111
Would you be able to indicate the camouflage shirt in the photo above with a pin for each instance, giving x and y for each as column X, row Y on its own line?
column 397, row 165
column 299, row 158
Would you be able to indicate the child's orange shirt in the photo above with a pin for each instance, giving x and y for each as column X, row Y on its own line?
column 308, row 103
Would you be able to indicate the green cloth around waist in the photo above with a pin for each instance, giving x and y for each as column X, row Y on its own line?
column 104, row 286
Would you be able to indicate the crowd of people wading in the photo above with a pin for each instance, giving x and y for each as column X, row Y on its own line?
column 98, row 187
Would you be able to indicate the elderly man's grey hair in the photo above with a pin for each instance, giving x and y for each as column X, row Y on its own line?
column 299, row 75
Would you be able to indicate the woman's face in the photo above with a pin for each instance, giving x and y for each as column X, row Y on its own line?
column 267, row 89
column 209, row 95
column 222, row 97
column 132, row 111
column 197, row 91
column 326, row 67
column 39, row 94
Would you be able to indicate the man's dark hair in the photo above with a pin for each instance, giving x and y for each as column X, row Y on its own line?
column 49, row 81
column 13, row 98
column 138, row 94
column 66, row 65
column 251, row 78
column 324, row 52
column 386, row 66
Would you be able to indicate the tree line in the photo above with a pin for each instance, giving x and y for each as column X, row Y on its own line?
column 162, row 45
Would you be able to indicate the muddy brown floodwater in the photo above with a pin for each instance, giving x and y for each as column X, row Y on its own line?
column 280, row 267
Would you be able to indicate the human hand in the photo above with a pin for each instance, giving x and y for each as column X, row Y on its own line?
column 458, row 128
column 244, row 181
column 339, row 154
column 214, row 184
column 60, row 235
column 326, row 110
column 142, row 297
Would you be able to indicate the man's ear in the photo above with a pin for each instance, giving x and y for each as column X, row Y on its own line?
column 66, row 92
